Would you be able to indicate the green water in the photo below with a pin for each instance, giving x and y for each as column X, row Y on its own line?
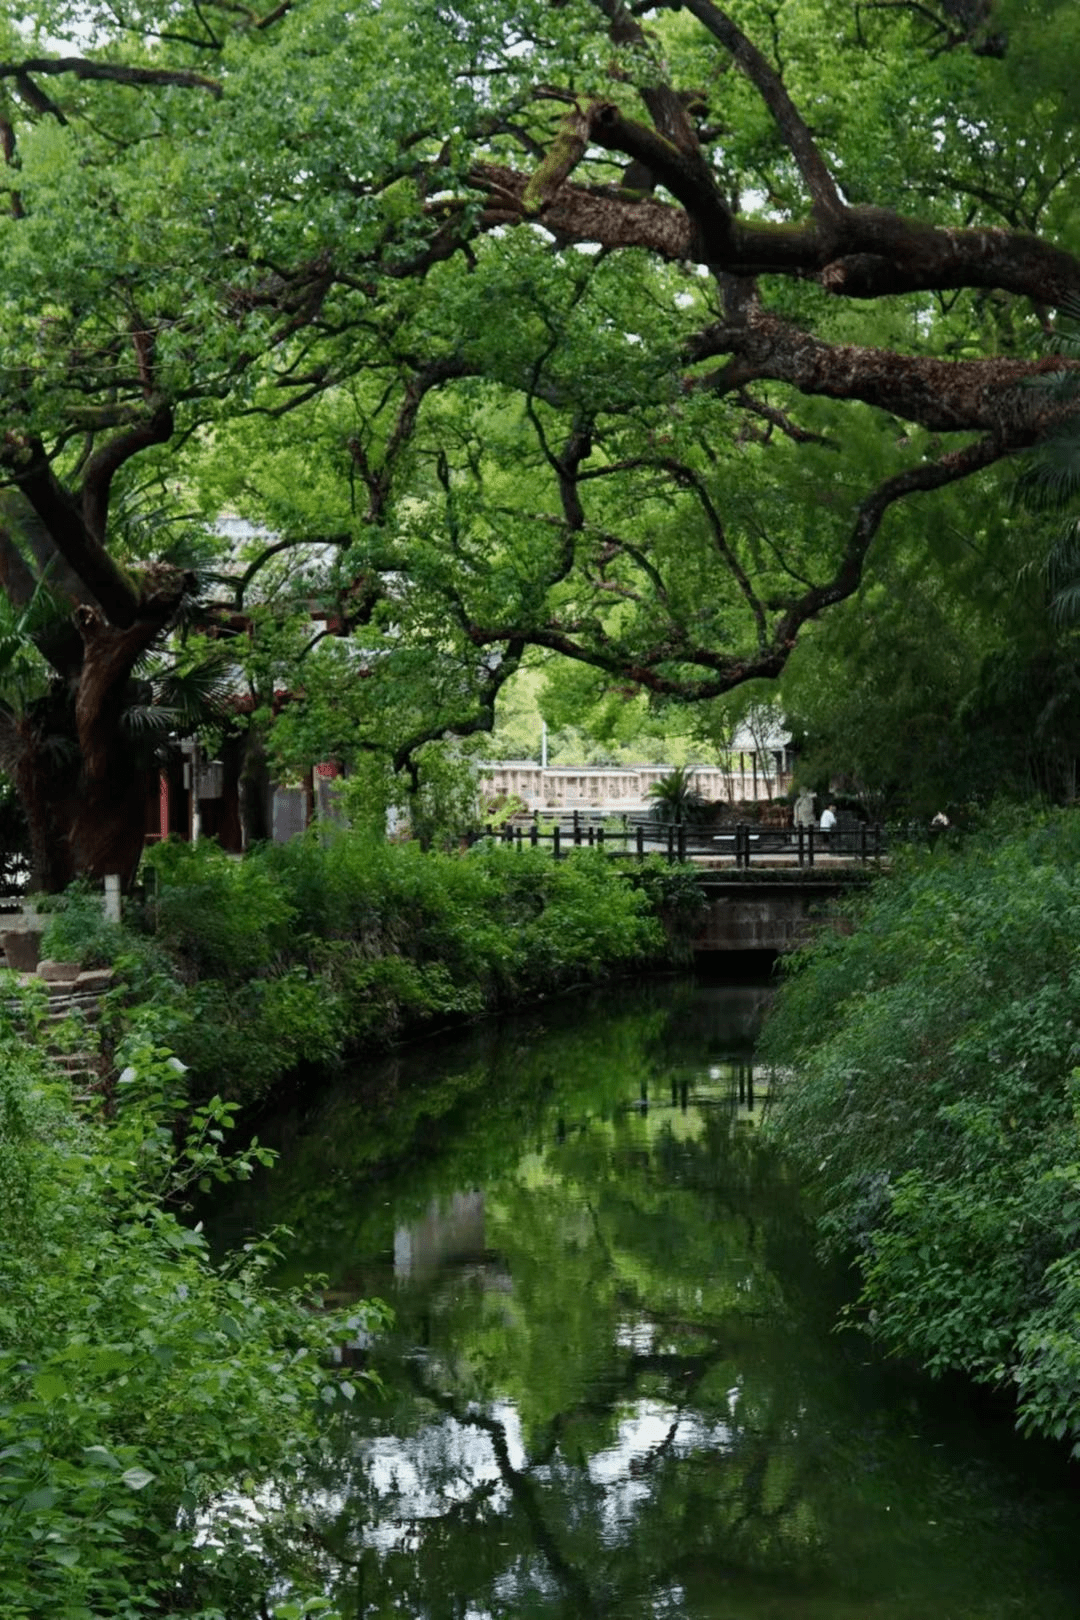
column 614, row 1387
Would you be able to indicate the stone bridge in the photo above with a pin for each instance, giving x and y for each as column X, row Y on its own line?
column 768, row 914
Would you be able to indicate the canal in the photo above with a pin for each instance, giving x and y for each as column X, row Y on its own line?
column 614, row 1385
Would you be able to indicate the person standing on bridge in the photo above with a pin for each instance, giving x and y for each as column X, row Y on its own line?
column 828, row 818
column 804, row 809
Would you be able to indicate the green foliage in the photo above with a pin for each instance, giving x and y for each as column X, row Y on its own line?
column 221, row 916
column 943, row 683
column 457, row 440
column 79, row 931
column 306, row 950
column 156, row 1405
column 674, row 893
column 933, row 1107
column 675, row 797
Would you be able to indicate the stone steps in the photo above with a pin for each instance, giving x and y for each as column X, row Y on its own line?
column 74, row 999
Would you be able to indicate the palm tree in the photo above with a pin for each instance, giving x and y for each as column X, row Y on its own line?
column 677, row 799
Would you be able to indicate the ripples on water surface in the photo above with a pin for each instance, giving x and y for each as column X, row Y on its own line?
column 614, row 1388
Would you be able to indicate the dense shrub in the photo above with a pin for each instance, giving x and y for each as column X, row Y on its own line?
column 77, row 929
column 222, row 916
column 306, row 950
column 150, row 1397
column 934, row 1105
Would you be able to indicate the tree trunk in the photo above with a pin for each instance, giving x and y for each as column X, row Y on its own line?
column 79, row 827
column 80, row 777
column 255, row 788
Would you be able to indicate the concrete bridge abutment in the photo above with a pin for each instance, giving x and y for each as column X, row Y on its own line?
column 765, row 917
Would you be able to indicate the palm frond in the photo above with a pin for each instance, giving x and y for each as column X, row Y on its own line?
column 1050, row 479
column 160, row 532
column 193, row 683
column 140, row 720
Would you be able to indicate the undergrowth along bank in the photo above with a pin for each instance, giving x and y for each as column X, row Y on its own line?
column 306, row 952
column 159, row 1408
column 934, row 1109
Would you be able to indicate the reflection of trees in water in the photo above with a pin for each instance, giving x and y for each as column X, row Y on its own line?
column 472, row 1517
column 614, row 1390
column 576, row 1444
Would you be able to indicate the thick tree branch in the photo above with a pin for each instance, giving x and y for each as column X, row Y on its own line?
column 16, row 580
column 562, row 158
column 77, row 544
column 115, row 72
column 51, row 568
column 686, row 175
column 868, row 253
column 665, row 106
column 944, row 396
column 928, row 475
column 577, row 214
column 156, row 427
column 824, row 196
column 662, row 669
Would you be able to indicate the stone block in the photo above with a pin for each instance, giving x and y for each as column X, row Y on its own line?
column 58, row 972
column 22, row 948
column 95, row 980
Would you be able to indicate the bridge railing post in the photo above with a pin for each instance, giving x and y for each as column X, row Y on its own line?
column 577, row 829
column 555, row 842
column 682, row 841
column 809, row 846
column 640, row 842
column 801, row 842
column 670, row 843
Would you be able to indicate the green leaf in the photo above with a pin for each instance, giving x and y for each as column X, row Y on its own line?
column 49, row 1386
column 100, row 1457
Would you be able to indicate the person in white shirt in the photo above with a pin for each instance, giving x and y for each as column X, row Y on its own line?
column 828, row 818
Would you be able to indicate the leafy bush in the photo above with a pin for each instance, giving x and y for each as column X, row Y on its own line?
column 935, row 1103
column 150, row 1395
column 306, row 950
column 218, row 915
column 675, row 896
column 587, row 917
column 79, row 931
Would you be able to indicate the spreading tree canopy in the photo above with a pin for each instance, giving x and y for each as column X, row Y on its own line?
column 612, row 330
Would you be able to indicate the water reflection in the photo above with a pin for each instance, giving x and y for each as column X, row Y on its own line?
column 614, row 1388
column 451, row 1232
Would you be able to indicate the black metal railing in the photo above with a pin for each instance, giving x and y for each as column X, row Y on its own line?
column 742, row 843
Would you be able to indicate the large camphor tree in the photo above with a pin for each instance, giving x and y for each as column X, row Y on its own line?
column 612, row 331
